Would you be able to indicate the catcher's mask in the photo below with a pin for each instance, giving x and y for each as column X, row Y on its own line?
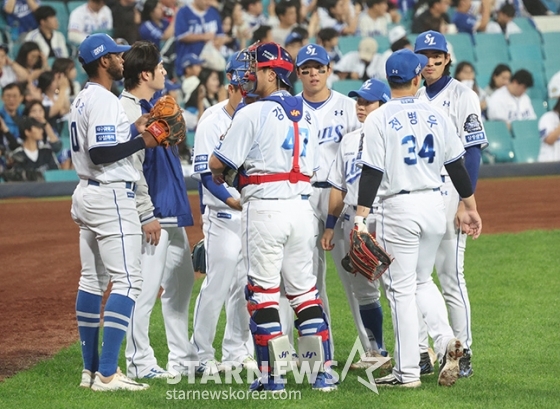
column 267, row 55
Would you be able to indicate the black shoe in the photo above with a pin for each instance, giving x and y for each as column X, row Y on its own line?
column 465, row 365
column 426, row 367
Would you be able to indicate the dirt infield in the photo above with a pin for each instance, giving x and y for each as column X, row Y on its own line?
column 41, row 267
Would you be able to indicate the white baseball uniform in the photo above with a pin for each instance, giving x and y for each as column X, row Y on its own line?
column 104, row 206
column 166, row 265
column 57, row 42
column 225, row 276
column 502, row 106
column 335, row 118
column 344, row 175
column 548, row 123
column 83, row 22
column 408, row 140
column 462, row 106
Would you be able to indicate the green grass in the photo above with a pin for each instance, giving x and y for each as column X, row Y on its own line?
column 513, row 285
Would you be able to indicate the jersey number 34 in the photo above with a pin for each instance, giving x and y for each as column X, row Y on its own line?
column 427, row 150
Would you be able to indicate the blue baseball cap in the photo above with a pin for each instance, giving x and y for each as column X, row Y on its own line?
column 191, row 59
column 372, row 90
column 312, row 52
column 293, row 37
column 237, row 66
column 404, row 65
column 430, row 41
column 97, row 45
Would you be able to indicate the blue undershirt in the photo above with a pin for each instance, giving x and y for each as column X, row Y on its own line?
column 435, row 88
column 219, row 191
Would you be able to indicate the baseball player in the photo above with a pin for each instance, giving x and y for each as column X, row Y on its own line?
column 104, row 207
column 462, row 106
column 272, row 143
column 225, row 276
column 343, row 176
column 406, row 143
column 166, row 258
column 336, row 116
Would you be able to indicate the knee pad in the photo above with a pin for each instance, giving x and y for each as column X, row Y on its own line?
column 259, row 298
column 314, row 335
column 272, row 349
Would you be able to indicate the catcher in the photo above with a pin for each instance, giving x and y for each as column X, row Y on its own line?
column 362, row 258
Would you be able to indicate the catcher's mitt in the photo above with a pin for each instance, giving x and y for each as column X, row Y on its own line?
column 166, row 122
column 366, row 256
column 199, row 257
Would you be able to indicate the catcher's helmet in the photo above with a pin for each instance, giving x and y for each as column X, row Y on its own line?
column 273, row 56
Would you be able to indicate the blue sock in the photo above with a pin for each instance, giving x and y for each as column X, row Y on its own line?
column 88, row 308
column 372, row 318
column 115, row 322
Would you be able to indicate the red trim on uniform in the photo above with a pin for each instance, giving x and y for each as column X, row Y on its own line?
column 257, row 289
column 291, row 297
column 324, row 335
column 252, row 307
column 306, row 304
column 262, row 340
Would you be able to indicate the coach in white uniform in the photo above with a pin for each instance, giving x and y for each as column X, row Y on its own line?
column 406, row 143
column 462, row 106
column 343, row 176
column 273, row 144
column 104, row 207
column 226, row 278
column 164, row 210
column 336, row 116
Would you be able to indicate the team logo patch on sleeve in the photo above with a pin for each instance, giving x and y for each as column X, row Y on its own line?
column 200, row 167
column 200, row 158
column 105, row 133
column 472, row 124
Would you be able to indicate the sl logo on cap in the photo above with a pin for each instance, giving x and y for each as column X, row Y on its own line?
column 367, row 84
column 311, row 50
column 430, row 40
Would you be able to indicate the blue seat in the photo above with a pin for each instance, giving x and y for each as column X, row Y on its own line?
column 382, row 43
column 62, row 14
column 74, row 4
column 525, row 52
column 539, row 107
column 500, row 145
column 491, row 47
column 345, row 86
column 462, row 46
column 525, row 24
column 550, row 52
column 298, row 87
column 526, row 150
column 348, row 43
column 527, row 129
column 550, row 68
column 551, row 38
column 190, row 138
column 551, row 103
column 483, row 73
column 530, row 37
column 61, row 175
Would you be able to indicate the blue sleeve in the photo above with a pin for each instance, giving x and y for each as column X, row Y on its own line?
column 182, row 22
column 219, row 22
column 133, row 131
column 201, row 203
column 472, row 163
column 219, row 191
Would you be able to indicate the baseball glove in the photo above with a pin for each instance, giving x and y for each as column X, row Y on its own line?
column 199, row 257
column 366, row 256
column 166, row 122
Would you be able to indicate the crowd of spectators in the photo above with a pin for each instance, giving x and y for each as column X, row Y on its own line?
column 196, row 37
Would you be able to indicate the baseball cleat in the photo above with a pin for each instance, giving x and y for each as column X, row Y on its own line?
column 324, row 382
column 118, row 381
column 449, row 366
column 157, row 372
column 426, row 365
column 370, row 358
column 250, row 364
column 210, row 367
column 269, row 385
column 87, row 379
column 465, row 365
column 433, row 356
column 391, row 381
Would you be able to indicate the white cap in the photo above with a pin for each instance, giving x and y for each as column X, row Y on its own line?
column 396, row 33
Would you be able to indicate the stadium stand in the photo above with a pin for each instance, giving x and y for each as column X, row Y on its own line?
column 61, row 175
column 500, row 144
column 526, row 143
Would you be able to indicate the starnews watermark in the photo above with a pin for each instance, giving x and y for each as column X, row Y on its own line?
column 305, row 372
column 231, row 394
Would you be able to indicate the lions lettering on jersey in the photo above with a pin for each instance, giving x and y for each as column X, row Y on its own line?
column 351, row 169
column 207, row 27
column 331, row 134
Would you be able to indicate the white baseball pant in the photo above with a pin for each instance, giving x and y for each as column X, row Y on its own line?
column 167, row 265
column 410, row 227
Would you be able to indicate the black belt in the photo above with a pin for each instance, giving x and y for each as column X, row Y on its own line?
column 322, row 185
column 407, row 192
column 303, row 197
column 127, row 185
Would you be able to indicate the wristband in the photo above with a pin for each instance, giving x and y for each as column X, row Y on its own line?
column 331, row 221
